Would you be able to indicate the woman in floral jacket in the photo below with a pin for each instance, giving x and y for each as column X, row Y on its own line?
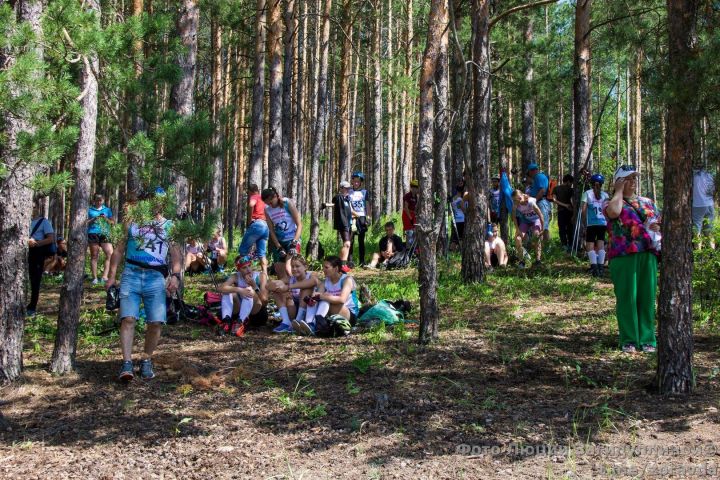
column 633, row 254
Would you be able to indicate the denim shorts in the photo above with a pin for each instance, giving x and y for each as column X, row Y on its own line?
column 256, row 234
column 144, row 285
column 545, row 208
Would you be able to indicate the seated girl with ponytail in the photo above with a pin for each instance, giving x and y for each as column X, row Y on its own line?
column 337, row 296
column 244, row 294
column 290, row 294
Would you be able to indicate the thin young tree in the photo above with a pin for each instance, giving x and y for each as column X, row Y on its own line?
column 675, row 345
column 288, row 132
column 71, row 293
column 427, row 230
column 275, row 62
column 257, row 148
column 376, row 123
column 216, row 180
column 528, row 104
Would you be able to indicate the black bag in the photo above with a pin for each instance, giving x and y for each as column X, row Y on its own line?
column 46, row 250
column 112, row 299
column 332, row 326
column 400, row 260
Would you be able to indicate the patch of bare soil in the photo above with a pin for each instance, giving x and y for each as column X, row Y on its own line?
column 517, row 393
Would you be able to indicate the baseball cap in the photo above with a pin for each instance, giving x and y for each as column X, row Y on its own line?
column 532, row 166
column 243, row 261
column 623, row 171
column 414, row 183
column 345, row 184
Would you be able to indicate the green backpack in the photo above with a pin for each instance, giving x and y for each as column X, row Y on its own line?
column 381, row 312
column 332, row 326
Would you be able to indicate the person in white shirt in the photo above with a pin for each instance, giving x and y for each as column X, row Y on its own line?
column 703, row 206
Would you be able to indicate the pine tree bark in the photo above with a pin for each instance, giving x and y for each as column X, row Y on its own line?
column 320, row 125
column 389, row 164
column 182, row 95
column 138, row 124
column 258, row 107
column 427, row 231
column 288, row 135
column 216, row 183
column 528, row 104
column 441, row 138
column 344, row 105
column 409, row 101
column 376, row 127
column 15, row 198
column 71, row 293
column 675, row 345
column 473, row 266
column 274, row 19
column 295, row 171
column 581, row 93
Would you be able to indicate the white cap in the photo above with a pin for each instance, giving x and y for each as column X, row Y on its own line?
column 624, row 171
column 344, row 184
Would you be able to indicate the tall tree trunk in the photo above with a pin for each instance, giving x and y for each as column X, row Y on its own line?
column 182, row 96
column 320, row 125
column 674, row 371
column 344, row 110
column 138, row 124
column 376, row 130
column 427, row 231
column 473, row 266
column 389, row 164
column 441, row 139
column 215, row 200
column 636, row 124
column 288, row 136
column 528, row 104
column 274, row 18
column 502, row 157
column 15, row 198
column 581, row 92
column 296, row 172
column 258, row 106
column 618, row 108
column 71, row 294
column 405, row 167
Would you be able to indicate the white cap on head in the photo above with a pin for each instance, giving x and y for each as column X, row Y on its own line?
column 344, row 184
column 624, row 171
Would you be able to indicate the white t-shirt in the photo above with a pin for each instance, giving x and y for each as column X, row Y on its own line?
column 703, row 189
column 527, row 212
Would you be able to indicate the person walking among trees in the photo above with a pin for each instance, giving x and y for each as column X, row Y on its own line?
column 100, row 218
column 528, row 219
column 342, row 220
column 539, row 190
column 592, row 202
column 257, row 231
column 360, row 208
column 703, row 206
column 285, row 230
column 410, row 200
column 40, row 243
column 633, row 221
column 563, row 197
column 145, row 251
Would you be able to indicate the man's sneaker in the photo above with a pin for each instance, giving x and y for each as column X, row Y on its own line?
column 629, row 348
column 593, row 270
column 238, row 329
column 283, row 328
column 295, row 326
column 647, row 348
column 126, row 372
column 95, row 281
column 600, row 270
column 306, row 329
column 146, row 369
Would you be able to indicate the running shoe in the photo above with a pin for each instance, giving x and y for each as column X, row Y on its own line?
column 146, row 369
column 238, row 329
column 95, row 281
column 629, row 348
column 306, row 329
column 283, row 328
column 126, row 372
column 647, row 348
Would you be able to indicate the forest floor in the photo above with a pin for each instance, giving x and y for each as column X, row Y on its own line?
column 525, row 382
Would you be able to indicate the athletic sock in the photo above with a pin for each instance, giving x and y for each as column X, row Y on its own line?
column 246, row 306
column 226, row 305
column 285, row 315
column 310, row 314
column 323, row 309
column 601, row 257
column 301, row 313
column 593, row 257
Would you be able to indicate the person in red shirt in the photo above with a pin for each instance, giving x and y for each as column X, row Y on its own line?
column 257, row 231
column 410, row 200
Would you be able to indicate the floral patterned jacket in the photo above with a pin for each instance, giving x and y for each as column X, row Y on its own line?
column 628, row 233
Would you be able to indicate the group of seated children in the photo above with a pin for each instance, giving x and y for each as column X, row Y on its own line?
column 301, row 298
column 213, row 256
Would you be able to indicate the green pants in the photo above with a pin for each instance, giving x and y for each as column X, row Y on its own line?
column 634, row 277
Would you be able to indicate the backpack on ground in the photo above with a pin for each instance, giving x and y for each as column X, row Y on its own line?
column 400, row 260
column 384, row 312
column 332, row 326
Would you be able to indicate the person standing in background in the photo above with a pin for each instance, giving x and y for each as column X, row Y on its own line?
column 42, row 236
column 563, row 198
column 100, row 218
column 703, row 206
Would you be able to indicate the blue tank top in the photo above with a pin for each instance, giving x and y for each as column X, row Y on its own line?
column 149, row 244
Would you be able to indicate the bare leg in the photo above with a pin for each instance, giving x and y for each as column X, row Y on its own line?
column 108, row 251
column 487, row 254
column 501, row 253
column 344, row 251
column 538, row 245
column 152, row 337
column 94, row 253
column 127, row 332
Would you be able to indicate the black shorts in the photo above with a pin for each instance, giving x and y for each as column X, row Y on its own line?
column 98, row 238
column 595, row 233
column 345, row 235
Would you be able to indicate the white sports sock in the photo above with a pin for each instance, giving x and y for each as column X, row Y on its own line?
column 323, row 309
column 601, row 257
column 301, row 314
column 226, row 305
column 285, row 315
column 593, row 257
column 246, row 306
column 310, row 314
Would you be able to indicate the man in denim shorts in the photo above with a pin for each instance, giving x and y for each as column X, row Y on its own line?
column 145, row 250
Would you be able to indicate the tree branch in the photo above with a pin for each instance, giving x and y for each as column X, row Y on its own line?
column 517, row 9
column 636, row 13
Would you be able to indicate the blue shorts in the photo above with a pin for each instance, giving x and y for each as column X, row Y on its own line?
column 256, row 234
column 545, row 208
column 699, row 215
column 143, row 285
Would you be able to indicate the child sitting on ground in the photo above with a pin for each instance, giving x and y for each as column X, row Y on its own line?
column 244, row 295
column 290, row 296
column 495, row 251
